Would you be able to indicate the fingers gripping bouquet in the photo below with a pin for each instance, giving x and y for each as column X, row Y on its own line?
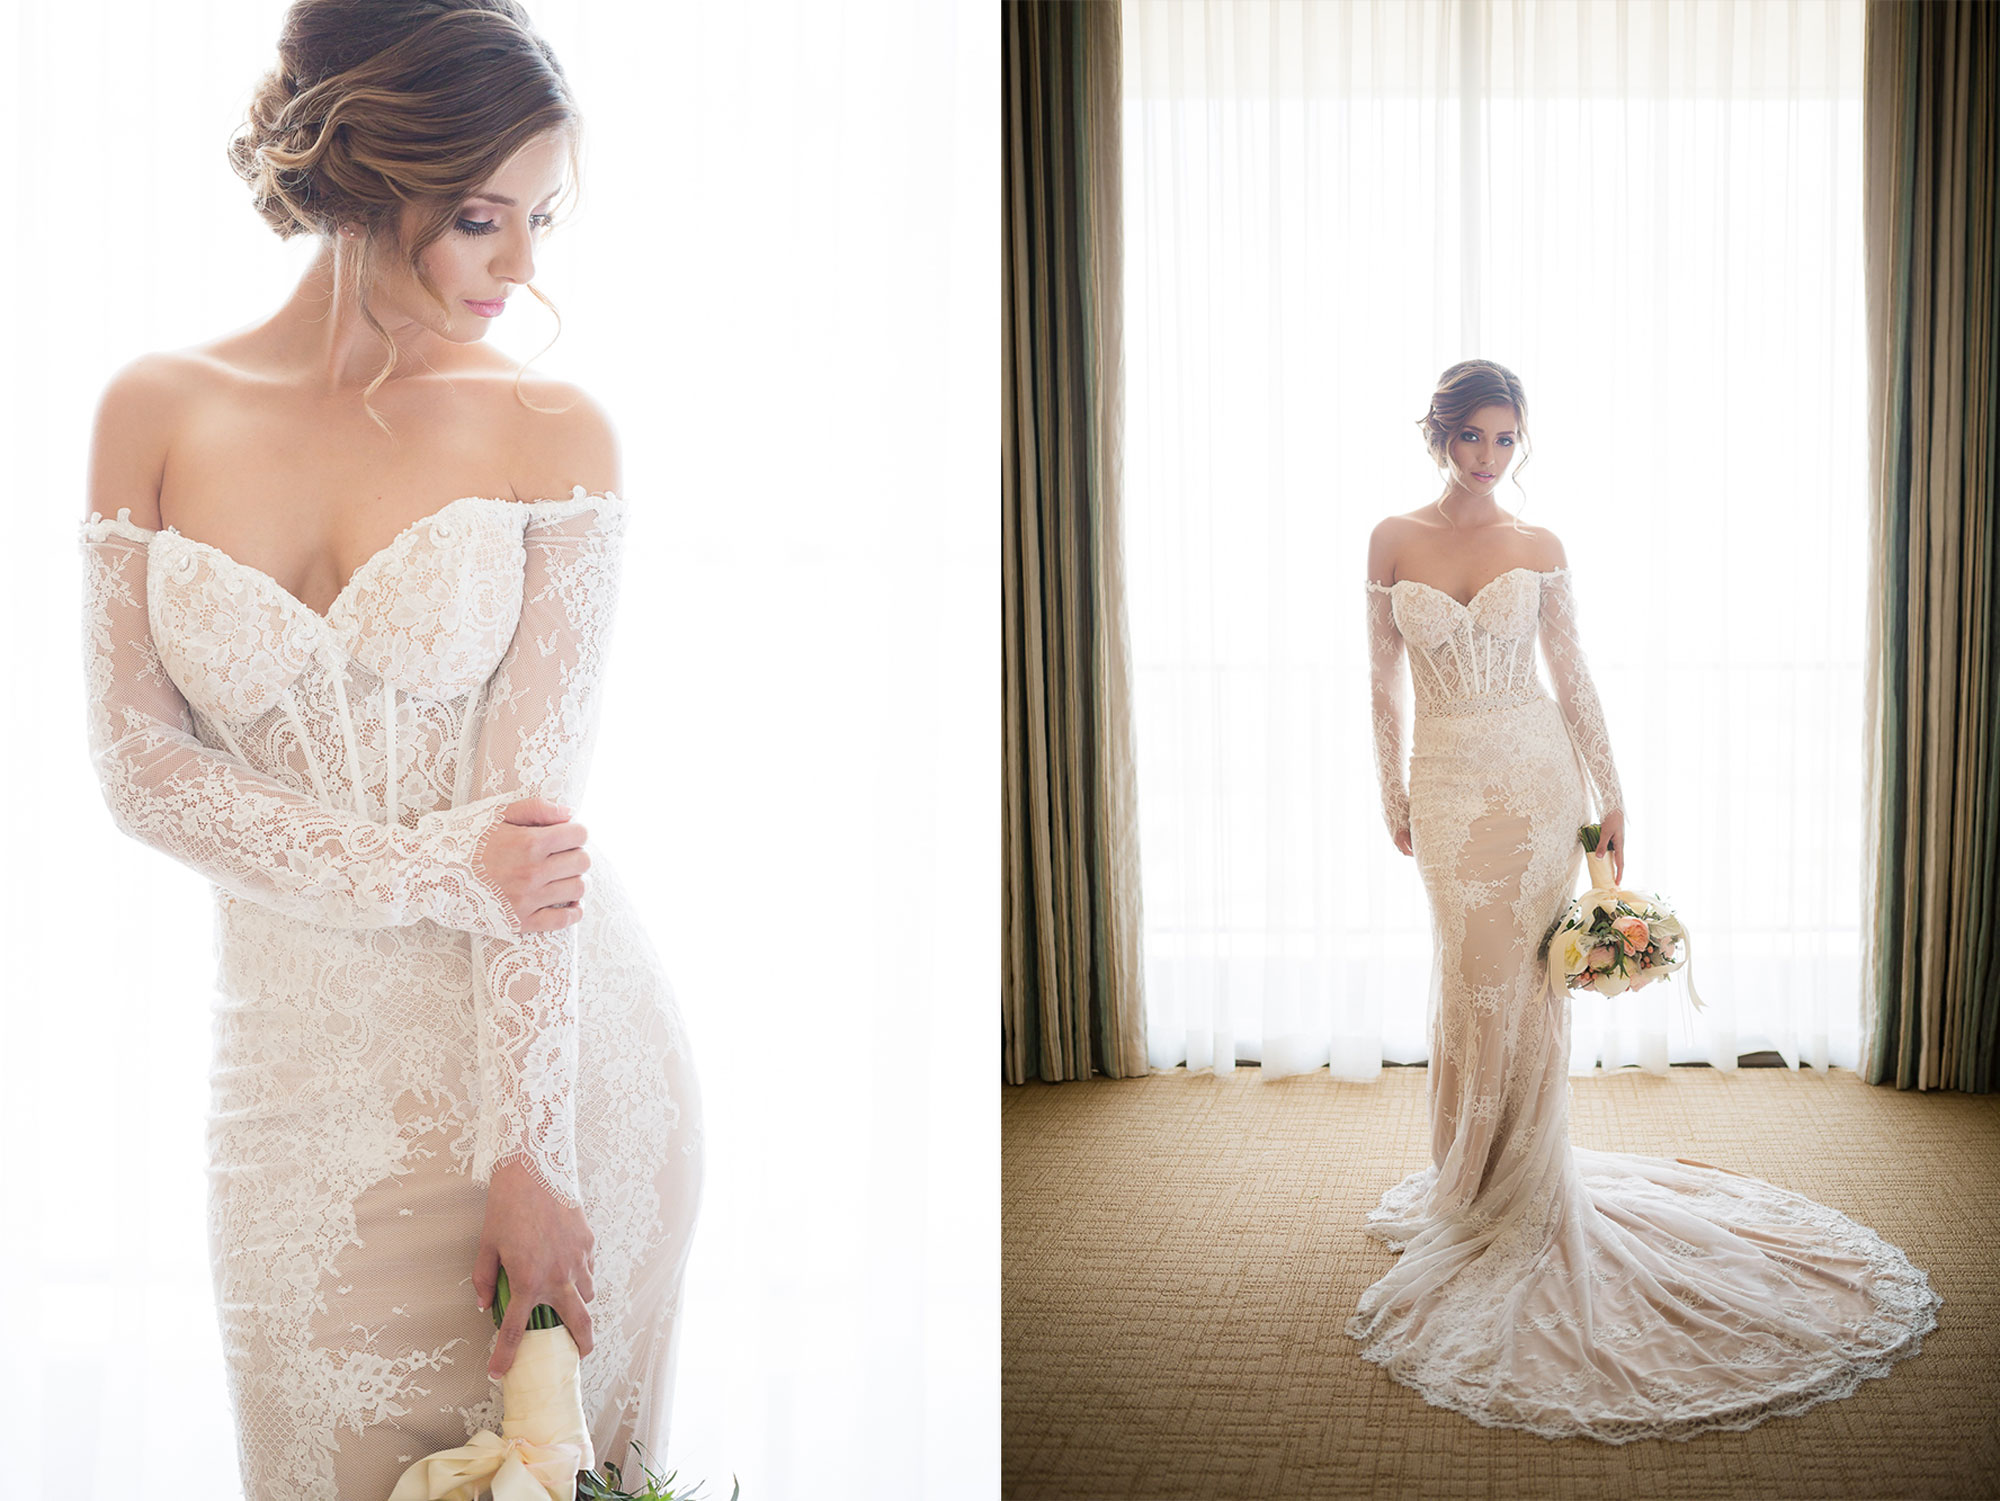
column 543, row 1450
column 1613, row 939
column 543, row 1441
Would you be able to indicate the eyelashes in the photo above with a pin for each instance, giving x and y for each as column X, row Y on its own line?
column 1472, row 437
column 488, row 226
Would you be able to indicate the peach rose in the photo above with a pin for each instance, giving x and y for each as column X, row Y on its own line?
column 1634, row 930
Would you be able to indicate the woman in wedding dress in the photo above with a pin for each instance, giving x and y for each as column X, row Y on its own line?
column 364, row 710
column 1540, row 1285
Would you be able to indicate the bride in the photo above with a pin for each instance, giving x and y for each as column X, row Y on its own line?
column 348, row 597
column 1540, row 1285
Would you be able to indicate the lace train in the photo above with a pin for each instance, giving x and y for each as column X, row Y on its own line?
column 1667, row 1300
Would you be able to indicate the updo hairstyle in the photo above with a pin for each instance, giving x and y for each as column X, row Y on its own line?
column 376, row 105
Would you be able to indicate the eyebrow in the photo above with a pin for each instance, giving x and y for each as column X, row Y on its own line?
column 502, row 198
column 1478, row 429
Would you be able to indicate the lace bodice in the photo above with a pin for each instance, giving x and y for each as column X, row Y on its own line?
column 344, row 769
column 1467, row 658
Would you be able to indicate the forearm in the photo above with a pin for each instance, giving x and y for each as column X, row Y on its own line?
column 1576, row 693
column 527, row 1057
column 263, row 843
column 1389, row 720
column 1388, row 711
column 1584, row 713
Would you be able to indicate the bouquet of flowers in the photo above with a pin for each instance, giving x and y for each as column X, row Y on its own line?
column 1613, row 939
column 543, row 1441
column 543, row 1450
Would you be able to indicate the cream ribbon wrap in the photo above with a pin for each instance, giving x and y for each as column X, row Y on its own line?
column 1604, row 888
column 542, row 1443
column 515, row 1469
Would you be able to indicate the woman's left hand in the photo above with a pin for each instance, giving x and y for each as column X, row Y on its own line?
column 546, row 1247
column 1612, row 843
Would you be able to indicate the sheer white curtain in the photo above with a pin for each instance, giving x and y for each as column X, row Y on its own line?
column 1648, row 211
column 788, row 230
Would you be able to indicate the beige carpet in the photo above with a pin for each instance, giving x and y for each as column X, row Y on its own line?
column 1181, row 1254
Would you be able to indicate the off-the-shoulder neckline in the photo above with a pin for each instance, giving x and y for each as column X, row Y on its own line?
column 1466, row 604
column 577, row 493
column 576, row 501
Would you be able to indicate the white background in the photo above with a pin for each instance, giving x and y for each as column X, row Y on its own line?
column 780, row 282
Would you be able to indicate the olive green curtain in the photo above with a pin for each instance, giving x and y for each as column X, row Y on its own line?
column 1070, row 985
column 1931, row 980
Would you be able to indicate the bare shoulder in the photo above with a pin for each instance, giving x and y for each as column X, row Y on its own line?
column 1546, row 546
column 564, row 437
column 1386, row 544
column 137, row 415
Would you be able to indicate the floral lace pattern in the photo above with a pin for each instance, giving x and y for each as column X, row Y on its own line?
column 1563, row 650
column 535, row 736
column 1538, row 1286
column 1471, row 658
column 384, row 1032
column 1385, row 678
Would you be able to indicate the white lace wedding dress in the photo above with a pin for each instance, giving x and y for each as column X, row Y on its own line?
column 384, row 1034
column 1539, row 1285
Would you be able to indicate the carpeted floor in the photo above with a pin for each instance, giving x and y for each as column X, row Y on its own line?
column 1181, row 1253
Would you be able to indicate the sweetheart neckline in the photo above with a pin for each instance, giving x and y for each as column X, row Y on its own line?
column 325, row 618
column 1467, row 604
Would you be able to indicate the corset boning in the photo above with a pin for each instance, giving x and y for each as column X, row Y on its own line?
column 352, row 740
column 1470, row 672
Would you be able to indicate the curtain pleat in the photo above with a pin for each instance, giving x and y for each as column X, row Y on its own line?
column 1931, row 137
column 1072, row 989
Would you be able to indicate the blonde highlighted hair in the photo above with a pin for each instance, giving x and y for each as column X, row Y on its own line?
column 1464, row 389
column 377, row 106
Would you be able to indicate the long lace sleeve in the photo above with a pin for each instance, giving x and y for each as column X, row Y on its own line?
column 1562, row 649
column 536, row 740
column 1386, row 685
column 247, row 832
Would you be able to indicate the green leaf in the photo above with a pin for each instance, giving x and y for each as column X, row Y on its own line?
column 655, row 1487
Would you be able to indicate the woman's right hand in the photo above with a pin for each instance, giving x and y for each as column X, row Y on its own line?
column 1403, row 842
column 534, row 858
